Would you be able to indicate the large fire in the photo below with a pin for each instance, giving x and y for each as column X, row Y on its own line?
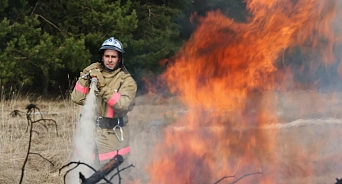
column 221, row 75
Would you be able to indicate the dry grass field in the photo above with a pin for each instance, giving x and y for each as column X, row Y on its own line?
column 14, row 141
column 58, row 148
column 309, row 134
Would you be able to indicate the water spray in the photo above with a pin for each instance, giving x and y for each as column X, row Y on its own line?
column 84, row 136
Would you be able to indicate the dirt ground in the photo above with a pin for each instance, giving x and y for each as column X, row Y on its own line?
column 308, row 138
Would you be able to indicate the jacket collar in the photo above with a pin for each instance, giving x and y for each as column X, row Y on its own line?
column 108, row 74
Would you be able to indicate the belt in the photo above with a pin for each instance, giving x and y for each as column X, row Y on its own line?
column 109, row 123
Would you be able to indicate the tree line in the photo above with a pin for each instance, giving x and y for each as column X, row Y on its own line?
column 45, row 43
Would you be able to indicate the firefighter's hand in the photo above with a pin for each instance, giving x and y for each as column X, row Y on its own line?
column 100, row 80
column 92, row 67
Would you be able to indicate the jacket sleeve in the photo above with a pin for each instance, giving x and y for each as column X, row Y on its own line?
column 122, row 99
column 80, row 90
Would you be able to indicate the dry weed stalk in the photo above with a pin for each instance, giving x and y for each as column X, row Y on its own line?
column 30, row 116
column 237, row 180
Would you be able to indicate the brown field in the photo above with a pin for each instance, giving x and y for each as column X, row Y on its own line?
column 309, row 134
column 146, row 117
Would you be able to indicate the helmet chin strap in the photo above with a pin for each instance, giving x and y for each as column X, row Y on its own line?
column 111, row 70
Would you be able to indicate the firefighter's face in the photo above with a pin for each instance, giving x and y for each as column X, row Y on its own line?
column 110, row 58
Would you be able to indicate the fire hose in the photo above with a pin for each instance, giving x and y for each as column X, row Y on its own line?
column 93, row 82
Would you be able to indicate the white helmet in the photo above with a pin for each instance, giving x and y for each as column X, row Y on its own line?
column 114, row 44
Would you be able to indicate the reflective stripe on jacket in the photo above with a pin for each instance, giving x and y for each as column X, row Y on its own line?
column 115, row 99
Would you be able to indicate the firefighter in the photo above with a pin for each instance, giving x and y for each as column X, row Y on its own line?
column 115, row 98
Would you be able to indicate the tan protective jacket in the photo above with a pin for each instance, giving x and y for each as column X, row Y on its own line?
column 115, row 99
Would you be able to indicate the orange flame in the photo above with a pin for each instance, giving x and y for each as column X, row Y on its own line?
column 221, row 75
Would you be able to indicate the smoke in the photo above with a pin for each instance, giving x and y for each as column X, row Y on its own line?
column 84, row 139
column 317, row 64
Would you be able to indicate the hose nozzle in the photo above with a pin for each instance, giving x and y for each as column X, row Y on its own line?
column 93, row 84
